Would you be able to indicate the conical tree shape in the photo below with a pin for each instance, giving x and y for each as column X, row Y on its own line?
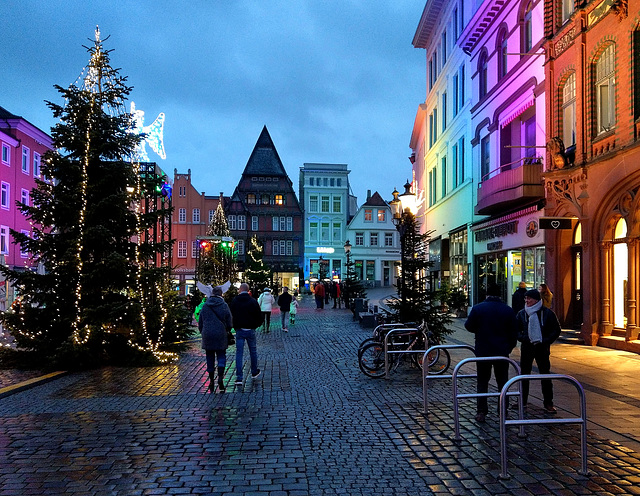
column 218, row 261
column 257, row 274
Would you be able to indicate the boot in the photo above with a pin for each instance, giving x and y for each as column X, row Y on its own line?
column 221, row 380
column 211, row 382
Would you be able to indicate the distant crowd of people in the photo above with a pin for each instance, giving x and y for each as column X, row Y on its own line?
column 323, row 290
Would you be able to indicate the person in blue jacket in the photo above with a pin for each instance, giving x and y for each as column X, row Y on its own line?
column 496, row 328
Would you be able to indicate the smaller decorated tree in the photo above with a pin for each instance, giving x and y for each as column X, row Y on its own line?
column 217, row 260
column 256, row 272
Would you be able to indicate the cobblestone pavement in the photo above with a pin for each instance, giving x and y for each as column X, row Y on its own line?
column 313, row 424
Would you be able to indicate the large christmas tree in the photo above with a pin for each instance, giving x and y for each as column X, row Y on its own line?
column 257, row 274
column 97, row 297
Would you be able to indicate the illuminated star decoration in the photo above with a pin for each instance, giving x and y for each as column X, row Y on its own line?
column 154, row 135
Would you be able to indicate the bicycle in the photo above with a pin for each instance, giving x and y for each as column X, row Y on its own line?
column 371, row 351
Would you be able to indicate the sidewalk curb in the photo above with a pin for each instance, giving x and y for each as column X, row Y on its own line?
column 31, row 383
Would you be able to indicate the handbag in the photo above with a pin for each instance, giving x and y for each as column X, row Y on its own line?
column 231, row 339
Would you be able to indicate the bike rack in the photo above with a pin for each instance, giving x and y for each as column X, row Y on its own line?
column 396, row 352
column 522, row 422
column 426, row 376
column 456, row 396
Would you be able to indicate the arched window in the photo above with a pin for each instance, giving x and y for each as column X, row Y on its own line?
column 482, row 73
column 527, row 28
column 620, row 230
column 605, row 90
column 501, row 49
column 577, row 234
column 569, row 111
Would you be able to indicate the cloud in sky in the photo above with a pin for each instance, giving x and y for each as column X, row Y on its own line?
column 334, row 81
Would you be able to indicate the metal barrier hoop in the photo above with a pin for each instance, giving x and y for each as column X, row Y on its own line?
column 386, row 346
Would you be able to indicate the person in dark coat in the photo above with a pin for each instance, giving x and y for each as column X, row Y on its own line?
column 517, row 299
column 538, row 328
column 214, row 323
column 284, row 302
column 247, row 316
column 496, row 329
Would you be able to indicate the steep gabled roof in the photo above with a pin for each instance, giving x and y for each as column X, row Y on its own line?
column 376, row 201
column 264, row 159
column 5, row 114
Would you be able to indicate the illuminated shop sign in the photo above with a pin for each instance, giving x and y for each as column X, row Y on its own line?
column 498, row 231
column 324, row 249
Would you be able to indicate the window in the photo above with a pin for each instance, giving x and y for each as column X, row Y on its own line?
column 368, row 215
column 502, row 54
column 182, row 216
column 212, row 214
column 196, row 216
column 444, row 48
column 275, row 223
column 313, row 203
column 482, row 74
column 240, row 243
column 266, row 199
column 182, row 249
column 325, row 181
column 283, row 221
column 444, row 176
column 454, row 24
column 324, row 232
column 337, row 232
column 25, row 160
column 289, row 223
column 36, row 164
column 4, row 240
column 5, row 196
column 444, row 111
column 435, row 125
column 605, row 90
column 454, row 166
column 527, row 29
column 289, row 247
column 24, row 253
column 360, row 239
column 6, row 154
column 431, row 124
column 371, row 270
column 275, row 247
column 636, row 73
column 455, row 102
column 232, row 222
column 339, row 182
column 433, row 184
column 279, row 200
column 254, row 222
column 332, row 182
column 242, row 222
column 569, row 111
column 461, row 86
column 310, row 181
column 382, row 215
column 313, row 231
column 195, row 247
column 373, row 239
column 324, row 204
column 431, row 74
column 484, row 158
column 337, row 204
column 461, row 160
column 24, row 197
column 251, row 198
column 388, row 239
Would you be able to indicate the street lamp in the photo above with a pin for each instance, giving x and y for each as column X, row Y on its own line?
column 347, row 252
column 403, row 207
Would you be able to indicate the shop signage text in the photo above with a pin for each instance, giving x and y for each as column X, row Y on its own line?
column 497, row 231
column 495, row 246
column 555, row 222
column 324, row 249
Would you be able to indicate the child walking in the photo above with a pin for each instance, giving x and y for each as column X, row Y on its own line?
column 293, row 310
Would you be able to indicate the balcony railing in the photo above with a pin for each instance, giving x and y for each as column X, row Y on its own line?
column 505, row 189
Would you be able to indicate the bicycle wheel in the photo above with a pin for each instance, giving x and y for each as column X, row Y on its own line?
column 439, row 361
column 365, row 343
column 371, row 360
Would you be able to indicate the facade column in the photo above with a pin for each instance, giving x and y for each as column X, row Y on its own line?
column 606, row 326
column 632, row 290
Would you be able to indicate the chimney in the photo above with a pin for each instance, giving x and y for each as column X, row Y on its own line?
column 368, row 194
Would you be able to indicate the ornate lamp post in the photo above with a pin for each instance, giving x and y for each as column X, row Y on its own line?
column 403, row 207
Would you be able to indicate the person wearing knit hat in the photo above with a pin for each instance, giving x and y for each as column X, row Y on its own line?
column 538, row 328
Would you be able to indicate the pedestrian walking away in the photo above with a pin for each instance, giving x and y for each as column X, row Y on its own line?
column 319, row 293
column 247, row 316
column 538, row 329
column 293, row 310
column 266, row 302
column 517, row 299
column 284, row 302
column 496, row 331
column 335, row 294
column 215, row 324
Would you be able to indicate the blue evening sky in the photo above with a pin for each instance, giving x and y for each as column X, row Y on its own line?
column 333, row 80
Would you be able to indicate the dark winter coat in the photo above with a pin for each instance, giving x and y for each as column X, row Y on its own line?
column 549, row 325
column 246, row 312
column 214, row 322
column 284, row 302
column 495, row 326
column 517, row 300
